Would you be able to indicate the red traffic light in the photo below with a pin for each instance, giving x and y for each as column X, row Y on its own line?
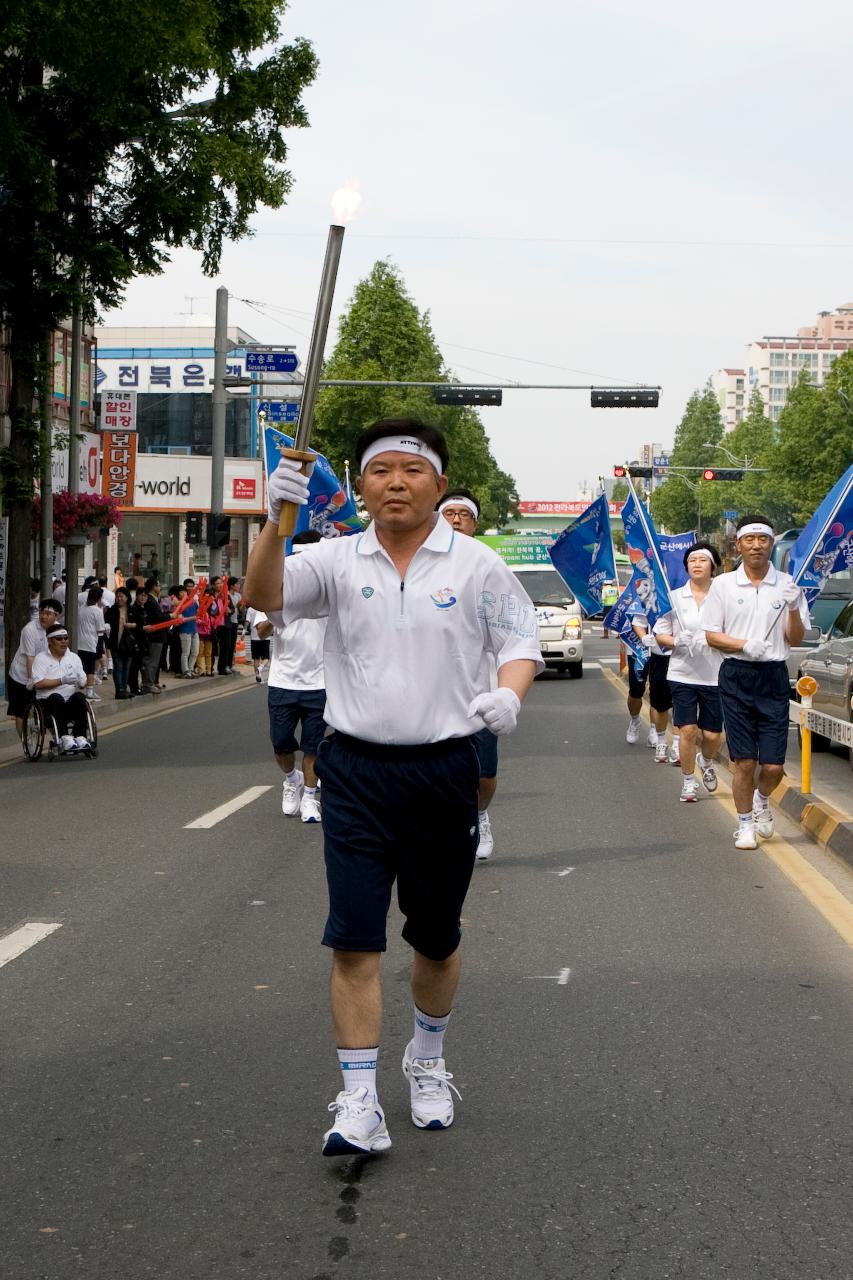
column 619, row 472
column 708, row 474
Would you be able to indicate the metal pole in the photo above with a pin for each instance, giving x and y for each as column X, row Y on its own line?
column 318, row 337
column 220, row 400
column 46, row 478
column 72, row 553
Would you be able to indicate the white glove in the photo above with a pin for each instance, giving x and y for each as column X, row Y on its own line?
column 699, row 640
column 792, row 595
column 755, row 649
column 684, row 643
column 649, row 640
column 287, row 484
column 498, row 710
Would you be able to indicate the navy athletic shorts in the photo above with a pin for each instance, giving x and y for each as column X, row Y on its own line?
column 696, row 704
column 486, row 746
column 260, row 649
column 398, row 813
column 287, row 707
column 88, row 660
column 655, row 671
column 755, row 698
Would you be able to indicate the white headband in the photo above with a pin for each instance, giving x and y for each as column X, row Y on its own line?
column 758, row 527
column 701, row 551
column 460, row 502
column 400, row 444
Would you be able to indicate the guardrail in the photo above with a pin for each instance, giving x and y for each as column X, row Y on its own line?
column 811, row 721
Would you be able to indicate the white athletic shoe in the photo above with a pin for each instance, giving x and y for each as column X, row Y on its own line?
column 309, row 809
column 291, row 795
column 81, row 743
column 67, row 743
column 709, row 776
column 486, row 846
column 674, row 755
column 746, row 837
column 359, row 1127
column 633, row 731
column 762, row 816
column 689, row 792
column 429, row 1082
column 661, row 750
column 652, row 736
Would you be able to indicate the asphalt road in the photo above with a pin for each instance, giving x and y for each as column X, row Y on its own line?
column 653, row 1039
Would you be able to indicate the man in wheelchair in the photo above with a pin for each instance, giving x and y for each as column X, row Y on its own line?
column 57, row 678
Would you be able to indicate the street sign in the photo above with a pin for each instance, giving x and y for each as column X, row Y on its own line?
column 271, row 362
column 279, row 410
column 731, row 515
column 662, row 460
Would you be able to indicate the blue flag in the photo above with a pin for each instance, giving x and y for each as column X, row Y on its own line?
column 672, row 547
column 641, row 543
column 619, row 621
column 826, row 544
column 328, row 509
column 583, row 555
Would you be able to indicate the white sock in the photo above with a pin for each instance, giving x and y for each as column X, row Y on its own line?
column 745, row 819
column 635, row 720
column 358, row 1067
column 759, row 801
column 688, row 777
column 309, row 793
column 292, row 777
column 675, row 742
column 701, row 761
column 428, row 1041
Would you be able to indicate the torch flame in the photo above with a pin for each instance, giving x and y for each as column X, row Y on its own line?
column 346, row 201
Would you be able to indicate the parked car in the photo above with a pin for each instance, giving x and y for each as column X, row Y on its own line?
column 559, row 616
column 831, row 664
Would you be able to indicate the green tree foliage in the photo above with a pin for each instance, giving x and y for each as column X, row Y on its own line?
column 752, row 441
column 382, row 336
column 814, row 446
column 115, row 151
column 675, row 504
column 620, row 491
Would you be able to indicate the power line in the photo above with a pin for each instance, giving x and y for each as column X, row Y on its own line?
column 684, row 244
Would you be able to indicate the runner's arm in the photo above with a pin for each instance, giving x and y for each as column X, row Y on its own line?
column 263, row 587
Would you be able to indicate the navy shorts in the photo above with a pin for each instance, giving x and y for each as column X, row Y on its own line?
column 88, row 660
column 260, row 649
column 287, row 707
column 655, row 671
column 486, row 746
column 696, row 704
column 19, row 697
column 398, row 813
column 755, row 698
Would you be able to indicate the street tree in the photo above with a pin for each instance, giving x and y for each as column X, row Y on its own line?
column 675, row 504
column 753, row 441
column 382, row 336
column 110, row 157
column 815, row 438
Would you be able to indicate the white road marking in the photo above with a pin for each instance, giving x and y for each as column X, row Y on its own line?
column 591, row 666
column 223, row 811
column 561, row 978
column 23, row 936
column 610, row 662
column 565, row 872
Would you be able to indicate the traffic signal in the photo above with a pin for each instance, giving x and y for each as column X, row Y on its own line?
column 640, row 473
column 218, row 530
column 722, row 473
column 627, row 398
column 194, row 531
column 619, row 473
column 466, row 395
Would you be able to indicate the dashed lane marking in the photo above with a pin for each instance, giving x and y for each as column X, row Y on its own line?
column 23, row 936
column 208, row 820
column 561, row 978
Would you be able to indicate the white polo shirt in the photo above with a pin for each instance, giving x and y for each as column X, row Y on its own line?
column 704, row 666
column 33, row 641
column 404, row 658
column 68, row 669
column 296, row 655
column 739, row 608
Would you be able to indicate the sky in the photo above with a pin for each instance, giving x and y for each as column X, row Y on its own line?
column 626, row 191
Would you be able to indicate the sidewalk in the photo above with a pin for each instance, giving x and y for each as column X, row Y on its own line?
column 111, row 711
column 827, row 816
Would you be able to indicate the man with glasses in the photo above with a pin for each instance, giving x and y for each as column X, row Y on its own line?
column 58, row 677
column 753, row 616
column 19, row 676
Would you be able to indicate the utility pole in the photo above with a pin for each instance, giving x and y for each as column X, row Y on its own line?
column 72, row 551
column 220, row 401
column 46, row 478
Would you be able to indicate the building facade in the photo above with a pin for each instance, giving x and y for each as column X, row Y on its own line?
column 729, row 386
column 775, row 363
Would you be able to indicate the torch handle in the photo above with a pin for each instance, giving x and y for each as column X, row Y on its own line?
column 290, row 510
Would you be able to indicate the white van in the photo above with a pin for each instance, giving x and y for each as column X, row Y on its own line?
column 559, row 615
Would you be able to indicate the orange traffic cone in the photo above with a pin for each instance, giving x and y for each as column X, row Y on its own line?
column 240, row 654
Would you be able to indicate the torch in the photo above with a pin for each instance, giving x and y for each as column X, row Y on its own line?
column 299, row 452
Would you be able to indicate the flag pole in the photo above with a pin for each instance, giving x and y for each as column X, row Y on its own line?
column 653, row 543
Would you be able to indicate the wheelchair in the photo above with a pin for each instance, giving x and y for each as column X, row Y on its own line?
column 39, row 726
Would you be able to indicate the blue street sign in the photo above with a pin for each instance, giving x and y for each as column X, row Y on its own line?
column 279, row 410
column 271, row 362
column 731, row 515
column 661, row 461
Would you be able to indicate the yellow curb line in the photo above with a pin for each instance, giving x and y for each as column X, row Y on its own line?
column 835, row 908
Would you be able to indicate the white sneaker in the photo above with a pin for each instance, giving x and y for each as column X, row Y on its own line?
column 746, row 837
column 652, row 736
column 82, row 744
column 429, row 1082
column 309, row 809
column 66, row 743
column 762, row 816
column 689, row 792
column 291, row 795
column 359, row 1126
column 661, row 750
column 674, row 755
column 486, row 847
column 709, row 776
column 633, row 731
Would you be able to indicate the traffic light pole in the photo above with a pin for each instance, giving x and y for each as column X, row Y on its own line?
column 220, row 401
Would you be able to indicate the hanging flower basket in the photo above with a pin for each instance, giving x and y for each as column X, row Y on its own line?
column 78, row 517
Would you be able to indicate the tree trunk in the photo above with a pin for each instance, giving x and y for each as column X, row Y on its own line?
column 19, row 472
